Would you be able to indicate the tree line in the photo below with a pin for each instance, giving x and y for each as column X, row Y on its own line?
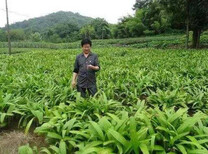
column 151, row 17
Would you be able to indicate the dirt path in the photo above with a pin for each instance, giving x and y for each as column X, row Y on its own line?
column 11, row 138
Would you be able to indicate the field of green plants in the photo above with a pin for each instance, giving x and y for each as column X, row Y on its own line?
column 150, row 101
column 159, row 41
column 148, row 41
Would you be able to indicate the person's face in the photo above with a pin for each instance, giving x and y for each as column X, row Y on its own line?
column 86, row 48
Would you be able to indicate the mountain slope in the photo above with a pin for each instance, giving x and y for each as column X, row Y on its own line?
column 41, row 24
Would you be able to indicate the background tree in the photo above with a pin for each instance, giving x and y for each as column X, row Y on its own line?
column 141, row 4
column 87, row 31
column 155, row 17
column 193, row 13
column 2, row 36
column 101, row 27
column 198, row 14
column 17, row 35
column 36, row 37
column 62, row 33
column 135, row 25
column 130, row 26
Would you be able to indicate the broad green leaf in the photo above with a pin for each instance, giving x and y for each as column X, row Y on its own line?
column 28, row 126
column 25, row 150
column 181, row 148
column 62, row 147
column 98, row 130
column 118, row 137
column 144, row 149
column 54, row 135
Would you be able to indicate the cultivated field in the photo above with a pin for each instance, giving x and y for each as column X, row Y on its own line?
column 149, row 101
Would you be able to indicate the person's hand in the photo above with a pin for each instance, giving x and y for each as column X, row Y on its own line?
column 73, row 84
column 90, row 67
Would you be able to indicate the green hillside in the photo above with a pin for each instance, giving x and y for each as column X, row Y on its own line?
column 43, row 23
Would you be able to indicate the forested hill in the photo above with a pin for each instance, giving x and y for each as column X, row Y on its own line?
column 41, row 24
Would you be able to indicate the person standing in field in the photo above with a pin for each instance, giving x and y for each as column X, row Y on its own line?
column 85, row 67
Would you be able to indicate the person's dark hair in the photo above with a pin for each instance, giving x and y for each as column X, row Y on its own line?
column 86, row 41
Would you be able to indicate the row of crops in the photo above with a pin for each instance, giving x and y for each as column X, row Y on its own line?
column 149, row 101
column 158, row 41
column 149, row 41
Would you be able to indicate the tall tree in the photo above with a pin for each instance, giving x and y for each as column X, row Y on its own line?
column 101, row 26
column 87, row 31
column 193, row 13
column 198, row 15
column 17, row 35
column 141, row 4
column 65, row 32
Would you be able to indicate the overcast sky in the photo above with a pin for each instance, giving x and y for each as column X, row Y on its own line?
column 111, row 10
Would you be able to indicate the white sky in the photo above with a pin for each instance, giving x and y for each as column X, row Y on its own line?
column 21, row 10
